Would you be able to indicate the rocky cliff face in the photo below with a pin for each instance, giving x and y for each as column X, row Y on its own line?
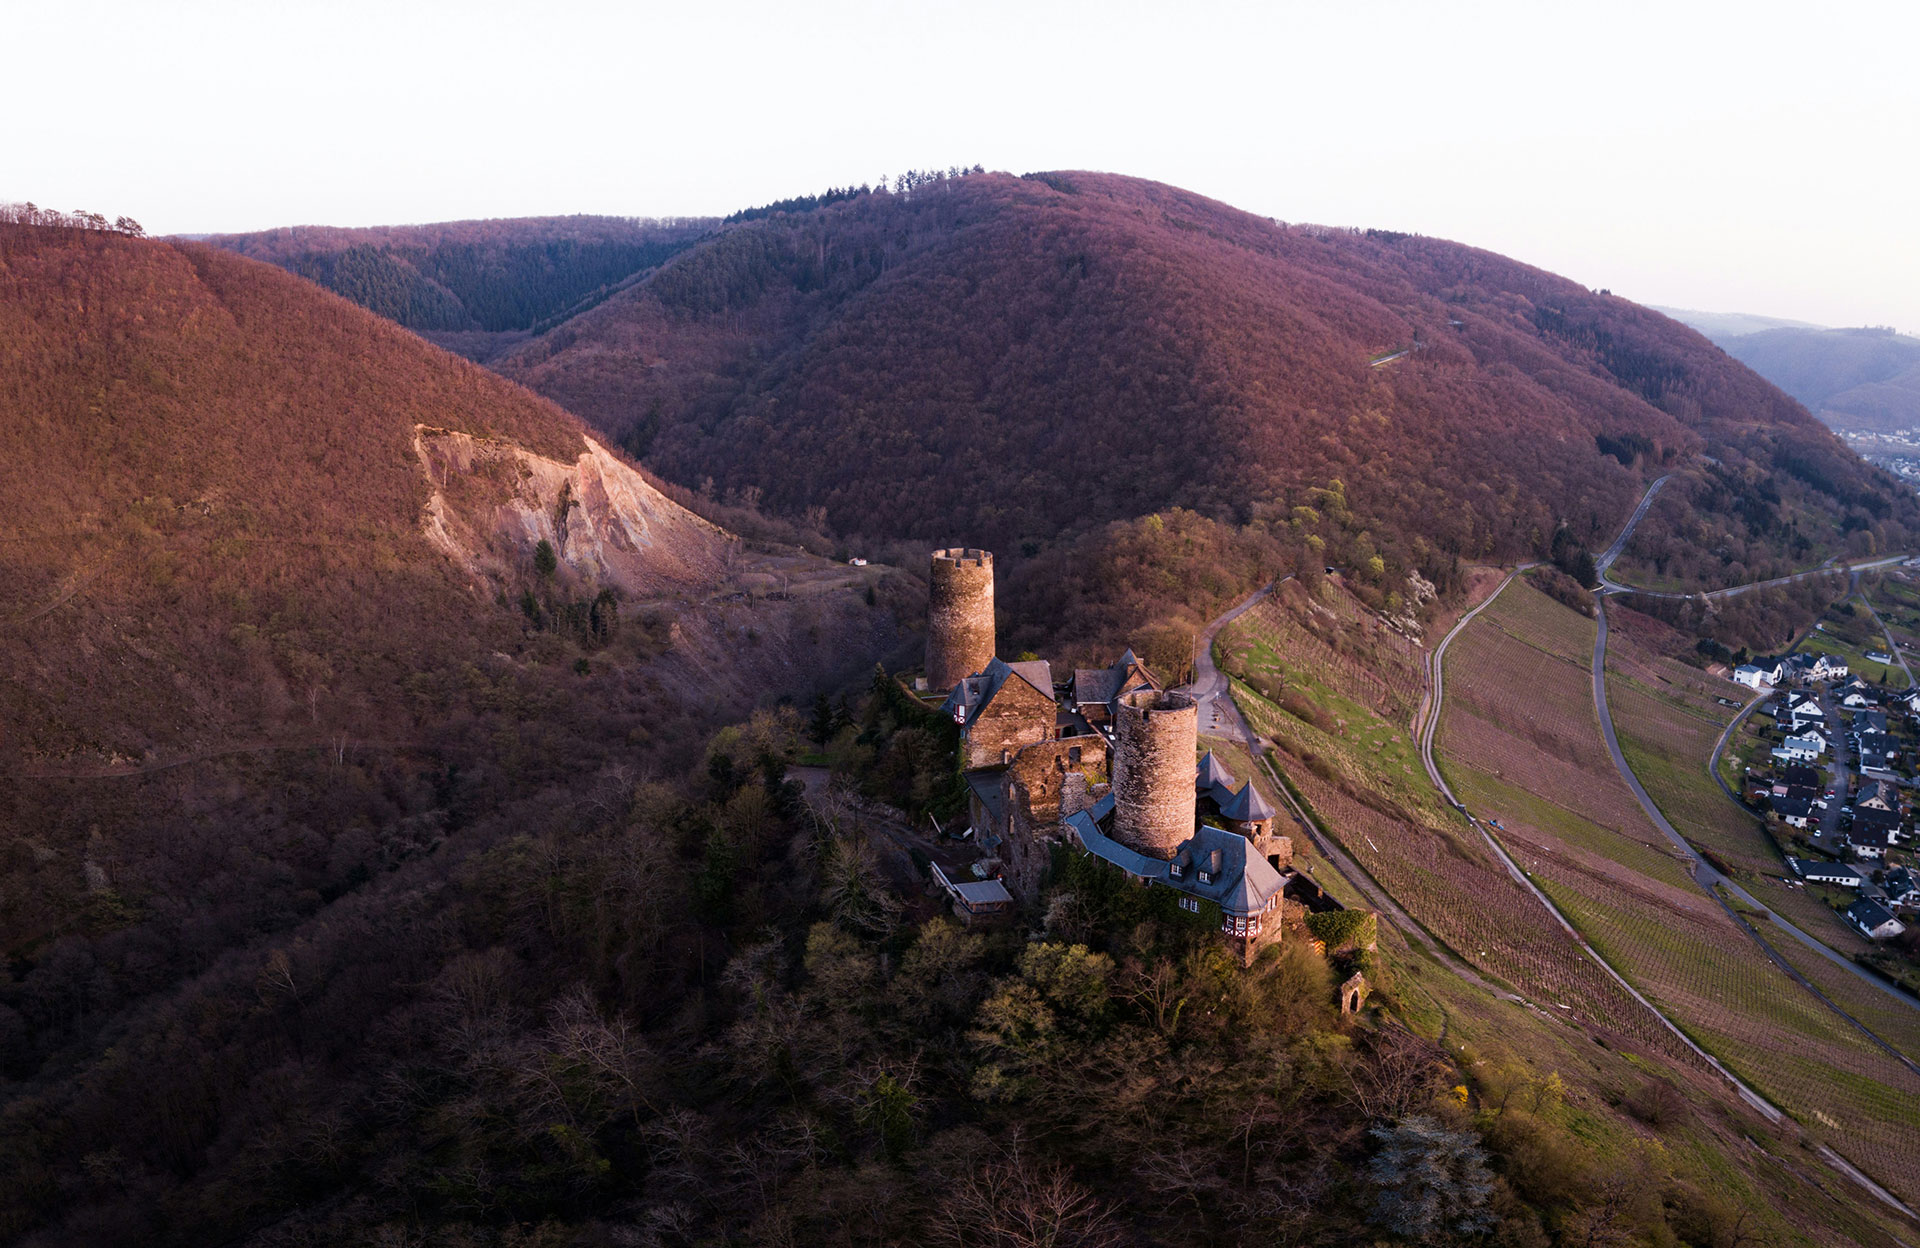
column 493, row 502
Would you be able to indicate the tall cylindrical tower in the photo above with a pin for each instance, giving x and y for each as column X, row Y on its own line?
column 1154, row 735
column 959, row 616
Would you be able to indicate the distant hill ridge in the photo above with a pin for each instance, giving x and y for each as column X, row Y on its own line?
column 1017, row 361
column 1005, row 360
column 493, row 276
column 1859, row 381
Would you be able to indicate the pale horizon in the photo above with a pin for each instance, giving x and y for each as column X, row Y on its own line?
column 1728, row 160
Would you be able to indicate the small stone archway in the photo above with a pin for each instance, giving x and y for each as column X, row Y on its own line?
column 1353, row 993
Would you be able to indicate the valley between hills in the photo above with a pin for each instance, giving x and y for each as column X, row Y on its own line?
column 501, row 799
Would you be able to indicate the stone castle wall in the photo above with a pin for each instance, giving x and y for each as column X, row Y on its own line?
column 1155, row 735
column 1018, row 716
column 960, row 637
column 1041, row 771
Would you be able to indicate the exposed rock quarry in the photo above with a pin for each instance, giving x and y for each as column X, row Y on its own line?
column 493, row 502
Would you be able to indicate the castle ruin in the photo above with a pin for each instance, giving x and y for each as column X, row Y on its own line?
column 960, row 640
column 1104, row 764
column 1156, row 735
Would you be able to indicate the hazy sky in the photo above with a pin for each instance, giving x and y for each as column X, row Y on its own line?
column 1731, row 157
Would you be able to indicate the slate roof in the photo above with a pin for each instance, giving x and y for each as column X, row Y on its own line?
column 1243, row 886
column 1814, row 869
column 1885, row 790
column 1868, row 914
column 1900, row 882
column 1878, row 744
column 1870, row 820
column 1798, row 774
column 1214, row 780
column 972, row 694
column 986, row 786
column 1869, row 721
column 1792, row 807
column 984, row 893
column 1246, row 806
column 1094, row 685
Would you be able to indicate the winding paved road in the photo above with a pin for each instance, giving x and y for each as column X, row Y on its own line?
column 1825, row 569
column 1612, row 552
column 1220, row 716
column 1717, row 886
column 1760, row 1103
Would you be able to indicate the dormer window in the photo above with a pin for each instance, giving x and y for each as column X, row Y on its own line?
column 1206, row 876
column 1175, row 870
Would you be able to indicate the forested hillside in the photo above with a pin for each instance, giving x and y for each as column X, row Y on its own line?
column 495, row 276
column 1018, row 361
column 274, row 623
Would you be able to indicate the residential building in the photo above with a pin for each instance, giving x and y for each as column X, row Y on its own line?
column 1877, row 795
column 1796, row 812
column 1095, row 690
column 1816, row 871
column 1002, row 708
column 1873, row 920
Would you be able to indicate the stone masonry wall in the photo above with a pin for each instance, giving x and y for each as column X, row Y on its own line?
column 1041, row 771
column 960, row 637
column 1155, row 734
column 1018, row 716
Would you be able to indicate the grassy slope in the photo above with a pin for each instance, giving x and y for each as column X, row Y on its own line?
column 1678, row 948
column 1474, row 907
column 1351, row 756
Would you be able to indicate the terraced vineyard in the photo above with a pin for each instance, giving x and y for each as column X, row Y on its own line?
column 1706, row 975
column 1896, row 1023
column 1331, row 643
column 1348, row 753
column 1524, row 741
column 1519, row 710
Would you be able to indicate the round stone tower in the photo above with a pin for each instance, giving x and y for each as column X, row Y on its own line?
column 959, row 616
column 1154, row 736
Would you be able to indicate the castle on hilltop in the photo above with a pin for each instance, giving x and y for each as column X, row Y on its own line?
column 1105, row 763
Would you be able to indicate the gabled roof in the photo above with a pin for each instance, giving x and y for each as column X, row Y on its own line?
column 1092, row 685
column 984, row 893
column 1869, row 914
column 972, row 694
column 1814, row 869
column 986, row 786
column 1866, row 818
